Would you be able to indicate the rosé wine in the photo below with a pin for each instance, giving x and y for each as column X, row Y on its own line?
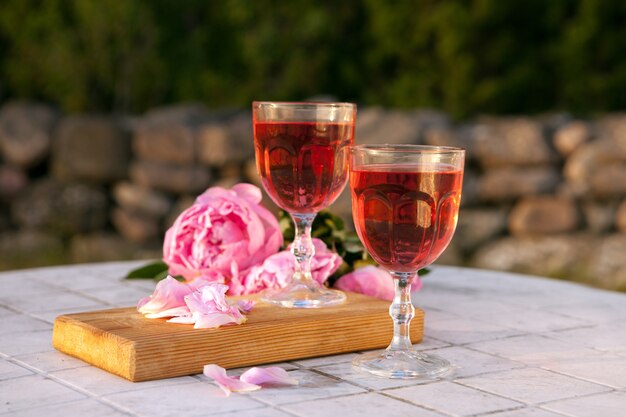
column 405, row 215
column 303, row 165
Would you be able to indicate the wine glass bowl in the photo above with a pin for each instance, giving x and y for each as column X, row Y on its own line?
column 301, row 153
column 405, row 203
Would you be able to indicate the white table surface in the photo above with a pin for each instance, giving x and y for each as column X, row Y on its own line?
column 522, row 346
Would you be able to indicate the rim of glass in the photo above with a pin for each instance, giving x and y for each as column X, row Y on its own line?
column 389, row 148
column 304, row 104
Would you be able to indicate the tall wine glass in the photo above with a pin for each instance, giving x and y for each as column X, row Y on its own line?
column 405, row 204
column 302, row 157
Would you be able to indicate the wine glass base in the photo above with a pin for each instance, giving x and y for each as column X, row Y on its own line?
column 403, row 364
column 300, row 295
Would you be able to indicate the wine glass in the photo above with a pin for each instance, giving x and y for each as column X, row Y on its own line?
column 405, row 204
column 302, row 157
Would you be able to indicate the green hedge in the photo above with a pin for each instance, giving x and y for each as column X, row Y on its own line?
column 464, row 57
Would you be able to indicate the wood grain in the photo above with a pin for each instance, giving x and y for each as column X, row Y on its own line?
column 125, row 343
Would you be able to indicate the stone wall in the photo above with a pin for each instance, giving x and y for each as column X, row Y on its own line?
column 543, row 195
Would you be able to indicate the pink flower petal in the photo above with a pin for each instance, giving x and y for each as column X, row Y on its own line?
column 277, row 269
column 245, row 306
column 417, row 283
column 368, row 280
column 372, row 281
column 210, row 321
column 168, row 295
column 250, row 192
column 207, row 307
column 272, row 375
column 228, row 383
column 186, row 319
column 207, row 278
column 172, row 312
column 208, row 299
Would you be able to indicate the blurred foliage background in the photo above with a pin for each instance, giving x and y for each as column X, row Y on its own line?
column 463, row 57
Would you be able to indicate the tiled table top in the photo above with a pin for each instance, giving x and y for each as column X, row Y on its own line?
column 522, row 346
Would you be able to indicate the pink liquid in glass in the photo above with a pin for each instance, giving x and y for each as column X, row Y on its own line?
column 303, row 165
column 405, row 215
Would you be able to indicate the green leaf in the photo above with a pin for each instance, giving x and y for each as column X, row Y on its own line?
column 353, row 245
column 364, row 262
column 423, row 272
column 339, row 234
column 149, row 271
column 320, row 232
column 332, row 220
column 286, row 226
column 163, row 274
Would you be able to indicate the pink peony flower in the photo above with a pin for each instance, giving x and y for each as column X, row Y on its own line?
column 276, row 271
column 222, row 233
column 372, row 281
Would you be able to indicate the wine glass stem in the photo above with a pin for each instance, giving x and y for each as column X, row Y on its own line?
column 302, row 246
column 402, row 311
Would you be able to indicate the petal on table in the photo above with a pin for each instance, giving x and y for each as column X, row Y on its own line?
column 172, row 312
column 272, row 375
column 210, row 321
column 183, row 319
column 168, row 294
column 245, row 305
column 228, row 383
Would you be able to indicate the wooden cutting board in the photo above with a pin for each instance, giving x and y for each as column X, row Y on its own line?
column 125, row 343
